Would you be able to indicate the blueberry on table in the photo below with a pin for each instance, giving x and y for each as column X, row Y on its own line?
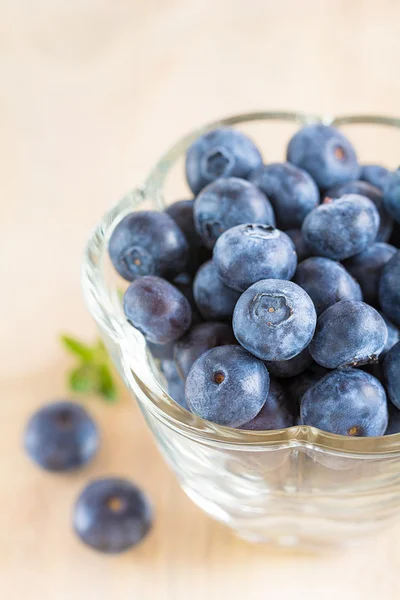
column 175, row 385
column 214, row 299
column 391, row 374
column 362, row 188
column 112, row 515
column 325, row 153
column 292, row 367
column 348, row 333
column 292, row 192
column 275, row 413
column 346, row 402
column 367, row 267
column 394, row 420
column 223, row 152
column 198, row 340
column 157, row 308
column 342, row 228
column 391, row 195
column 226, row 203
column 61, row 436
column 375, row 175
column 248, row 253
column 389, row 289
column 326, row 282
column 303, row 250
column 227, row 386
column 274, row 319
column 182, row 213
column 148, row 243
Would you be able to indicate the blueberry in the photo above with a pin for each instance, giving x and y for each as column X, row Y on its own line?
column 389, row 289
column 346, row 402
column 367, row 267
column 184, row 283
column 148, row 243
column 348, row 333
column 393, row 335
column 326, row 282
column 391, row 373
column 222, row 152
column 274, row 319
column 375, row 175
column 214, row 299
column 297, row 386
column 157, row 308
column 325, row 153
column 342, row 228
column 292, row 367
column 161, row 351
column 275, row 413
column 198, row 340
column 182, row 213
column 112, row 515
column 391, row 196
column 361, row 188
column 61, row 436
column 229, row 202
column 227, row 386
column 175, row 385
column 292, row 192
column 394, row 420
column 248, row 253
column 303, row 250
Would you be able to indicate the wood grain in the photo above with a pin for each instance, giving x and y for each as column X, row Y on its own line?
column 92, row 93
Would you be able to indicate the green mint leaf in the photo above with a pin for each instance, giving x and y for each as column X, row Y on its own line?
column 78, row 348
column 83, row 379
column 107, row 388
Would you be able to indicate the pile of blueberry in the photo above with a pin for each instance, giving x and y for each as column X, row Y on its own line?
column 112, row 514
column 273, row 297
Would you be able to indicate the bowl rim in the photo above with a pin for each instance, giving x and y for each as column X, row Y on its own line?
column 131, row 343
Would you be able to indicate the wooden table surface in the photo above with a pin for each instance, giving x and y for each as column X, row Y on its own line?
column 92, row 92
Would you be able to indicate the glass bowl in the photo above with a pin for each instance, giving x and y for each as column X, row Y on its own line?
column 294, row 487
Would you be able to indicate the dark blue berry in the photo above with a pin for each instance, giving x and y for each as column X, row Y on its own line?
column 184, row 283
column 182, row 213
column 290, row 368
column 274, row 319
column 248, row 253
column 161, row 351
column 325, row 153
column 326, row 282
column 292, row 192
column 198, row 340
column 61, row 436
column 303, row 250
column 394, row 420
column 297, row 386
column 393, row 335
column 346, row 402
column 219, row 153
column 342, row 228
column 389, row 289
column 391, row 196
column 367, row 267
column 214, row 299
column 391, row 373
column 148, row 243
column 175, row 385
column 275, row 413
column 227, row 386
column 375, row 175
column 157, row 308
column 362, row 188
column 348, row 333
column 229, row 202
column 112, row 515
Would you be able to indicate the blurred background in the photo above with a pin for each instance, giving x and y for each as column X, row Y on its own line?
column 92, row 92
